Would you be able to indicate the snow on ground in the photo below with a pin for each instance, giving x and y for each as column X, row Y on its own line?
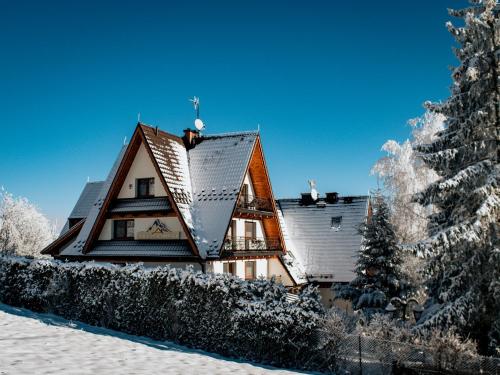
column 32, row 343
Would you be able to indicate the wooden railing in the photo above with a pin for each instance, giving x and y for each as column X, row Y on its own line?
column 249, row 244
column 255, row 203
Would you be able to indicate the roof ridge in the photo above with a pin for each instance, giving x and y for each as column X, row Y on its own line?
column 169, row 135
column 232, row 134
column 322, row 197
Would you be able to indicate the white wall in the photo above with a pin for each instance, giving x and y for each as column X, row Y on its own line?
column 277, row 269
column 261, row 267
column 142, row 167
column 240, row 223
column 248, row 181
column 240, row 228
column 142, row 224
column 265, row 267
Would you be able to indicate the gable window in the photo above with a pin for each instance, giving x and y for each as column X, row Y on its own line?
column 250, row 272
column 123, row 229
column 145, row 187
column 229, row 267
column 336, row 222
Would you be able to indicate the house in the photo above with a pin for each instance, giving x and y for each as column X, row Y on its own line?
column 199, row 200
column 323, row 235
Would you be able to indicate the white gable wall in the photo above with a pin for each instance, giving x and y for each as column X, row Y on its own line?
column 249, row 182
column 266, row 268
column 142, row 167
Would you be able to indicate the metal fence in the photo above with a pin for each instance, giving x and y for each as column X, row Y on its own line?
column 365, row 355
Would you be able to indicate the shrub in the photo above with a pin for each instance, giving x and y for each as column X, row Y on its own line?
column 219, row 313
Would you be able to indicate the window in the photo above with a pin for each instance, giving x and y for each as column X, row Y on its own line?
column 336, row 222
column 250, row 233
column 234, row 238
column 229, row 267
column 250, row 270
column 145, row 187
column 123, row 229
column 244, row 194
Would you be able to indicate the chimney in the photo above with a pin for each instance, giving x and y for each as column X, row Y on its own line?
column 348, row 200
column 189, row 137
column 332, row 197
column 306, row 199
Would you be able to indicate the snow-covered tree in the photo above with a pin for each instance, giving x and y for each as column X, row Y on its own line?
column 379, row 277
column 404, row 174
column 464, row 268
column 24, row 230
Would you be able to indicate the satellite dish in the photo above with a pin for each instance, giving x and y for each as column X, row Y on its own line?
column 198, row 124
column 314, row 192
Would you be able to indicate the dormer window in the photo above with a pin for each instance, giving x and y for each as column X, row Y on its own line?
column 336, row 222
column 145, row 187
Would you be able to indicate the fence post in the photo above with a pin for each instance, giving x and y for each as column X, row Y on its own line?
column 360, row 356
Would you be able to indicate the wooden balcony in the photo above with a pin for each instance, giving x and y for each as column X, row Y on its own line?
column 254, row 207
column 243, row 246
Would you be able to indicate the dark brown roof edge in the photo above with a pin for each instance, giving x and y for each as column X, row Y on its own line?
column 64, row 239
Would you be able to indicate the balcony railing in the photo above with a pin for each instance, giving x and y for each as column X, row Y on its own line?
column 255, row 203
column 249, row 244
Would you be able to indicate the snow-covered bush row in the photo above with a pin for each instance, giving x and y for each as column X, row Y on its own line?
column 218, row 313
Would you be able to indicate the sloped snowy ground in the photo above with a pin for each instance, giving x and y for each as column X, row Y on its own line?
column 32, row 343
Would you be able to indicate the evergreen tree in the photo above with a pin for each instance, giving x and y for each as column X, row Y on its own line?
column 464, row 266
column 378, row 271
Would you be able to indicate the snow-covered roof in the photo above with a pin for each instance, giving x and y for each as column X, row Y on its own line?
column 77, row 246
column 217, row 166
column 84, row 204
column 204, row 183
column 326, row 252
column 87, row 198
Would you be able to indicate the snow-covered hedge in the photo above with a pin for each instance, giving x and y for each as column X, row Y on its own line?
column 218, row 313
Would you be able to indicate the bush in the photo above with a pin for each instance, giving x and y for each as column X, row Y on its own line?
column 218, row 313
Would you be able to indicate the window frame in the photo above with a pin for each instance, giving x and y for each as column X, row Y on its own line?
column 149, row 183
column 127, row 227
column 336, row 222
column 229, row 268
column 253, row 276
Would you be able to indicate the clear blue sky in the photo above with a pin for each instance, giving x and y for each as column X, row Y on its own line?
column 327, row 81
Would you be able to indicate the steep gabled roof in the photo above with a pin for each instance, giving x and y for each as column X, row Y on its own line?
column 65, row 240
column 77, row 247
column 82, row 207
column 326, row 254
column 218, row 165
column 86, row 200
column 203, row 184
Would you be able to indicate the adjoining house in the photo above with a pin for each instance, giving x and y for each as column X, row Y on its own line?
column 200, row 200
column 322, row 234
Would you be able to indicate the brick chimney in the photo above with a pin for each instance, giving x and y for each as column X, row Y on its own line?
column 189, row 137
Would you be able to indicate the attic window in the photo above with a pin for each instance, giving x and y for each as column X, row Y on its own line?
column 145, row 187
column 336, row 222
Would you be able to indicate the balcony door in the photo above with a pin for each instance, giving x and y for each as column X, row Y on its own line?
column 244, row 195
column 234, row 238
column 250, row 233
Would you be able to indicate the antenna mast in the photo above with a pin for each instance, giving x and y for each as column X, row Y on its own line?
column 199, row 125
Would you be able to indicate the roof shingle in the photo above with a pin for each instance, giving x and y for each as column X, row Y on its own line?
column 326, row 253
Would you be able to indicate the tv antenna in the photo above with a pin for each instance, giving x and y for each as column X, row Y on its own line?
column 198, row 124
